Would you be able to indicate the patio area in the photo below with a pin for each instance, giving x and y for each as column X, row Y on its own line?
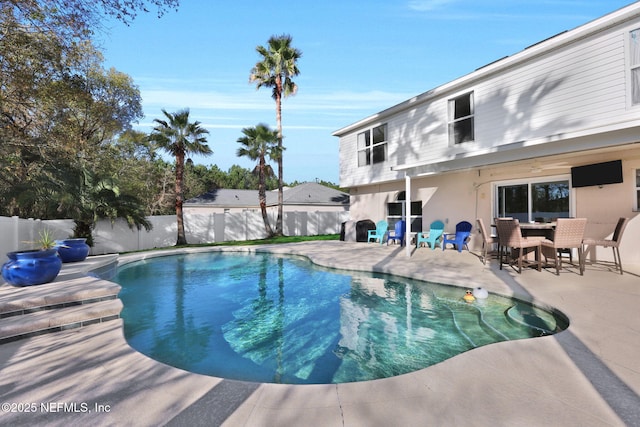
column 587, row 375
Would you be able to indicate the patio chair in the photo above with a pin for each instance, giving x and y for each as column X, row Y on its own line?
column 488, row 240
column 460, row 238
column 510, row 236
column 431, row 238
column 382, row 227
column 568, row 234
column 613, row 243
column 397, row 235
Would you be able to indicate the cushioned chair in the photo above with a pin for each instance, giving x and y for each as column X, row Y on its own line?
column 614, row 242
column 568, row 234
column 510, row 236
column 397, row 235
column 488, row 240
column 460, row 238
column 431, row 238
column 382, row 227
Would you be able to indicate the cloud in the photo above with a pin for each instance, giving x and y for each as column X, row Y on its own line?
column 251, row 100
column 428, row 5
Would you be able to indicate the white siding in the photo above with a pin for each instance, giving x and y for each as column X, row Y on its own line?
column 571, row 89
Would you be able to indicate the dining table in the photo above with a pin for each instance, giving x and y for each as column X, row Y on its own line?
column 538, row 229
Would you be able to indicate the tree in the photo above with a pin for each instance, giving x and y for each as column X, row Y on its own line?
column 277, row 66
column 179, row 137
column 259, row 143
column 86, row 197
column 78, row 19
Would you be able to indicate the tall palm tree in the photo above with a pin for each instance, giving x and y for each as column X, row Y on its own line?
column 179, row 137
column 278, row 64
column 258, row 143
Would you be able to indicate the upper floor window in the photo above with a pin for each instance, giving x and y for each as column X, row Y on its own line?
column 634, row 64
column 461, row 119
column 372, row 145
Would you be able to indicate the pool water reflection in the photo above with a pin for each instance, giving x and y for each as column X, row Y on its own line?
column 268, row 318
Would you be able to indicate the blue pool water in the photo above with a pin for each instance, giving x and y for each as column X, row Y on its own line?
column 268, row 318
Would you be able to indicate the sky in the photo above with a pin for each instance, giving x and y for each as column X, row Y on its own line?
column 358, row 58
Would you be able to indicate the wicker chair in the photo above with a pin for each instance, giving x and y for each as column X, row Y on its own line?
column 510, row 236
column 488, row 240
column 568, row 234
column 614, row 242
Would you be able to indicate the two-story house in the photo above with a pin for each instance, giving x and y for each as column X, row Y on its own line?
column 511, row 138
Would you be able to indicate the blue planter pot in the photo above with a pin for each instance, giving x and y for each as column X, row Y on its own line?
column 72, row 250
column 29, row 268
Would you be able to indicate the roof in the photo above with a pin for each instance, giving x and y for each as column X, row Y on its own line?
column 308, row 193
column 545, row 46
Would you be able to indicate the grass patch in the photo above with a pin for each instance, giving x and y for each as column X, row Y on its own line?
column 270, row 241
column 273, row 240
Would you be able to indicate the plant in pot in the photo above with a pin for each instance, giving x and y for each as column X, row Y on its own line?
column 33, row 267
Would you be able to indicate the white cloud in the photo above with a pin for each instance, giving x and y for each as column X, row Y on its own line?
column 428, row 5
column 170, row 99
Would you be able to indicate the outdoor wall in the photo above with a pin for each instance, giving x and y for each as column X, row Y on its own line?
column 467, row 195
column 21, row 234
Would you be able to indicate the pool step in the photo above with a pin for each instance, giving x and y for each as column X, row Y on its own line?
column 468, row 320
column 46, row 321
column 56, row 306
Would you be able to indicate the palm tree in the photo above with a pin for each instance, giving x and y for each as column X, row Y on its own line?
column 85, row 196
column 259, row 143
column 179, row 137
column 277, row 66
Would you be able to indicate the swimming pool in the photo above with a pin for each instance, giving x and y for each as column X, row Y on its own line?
column 270, row 318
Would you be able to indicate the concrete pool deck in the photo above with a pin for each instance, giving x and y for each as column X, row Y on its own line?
column 587, row 375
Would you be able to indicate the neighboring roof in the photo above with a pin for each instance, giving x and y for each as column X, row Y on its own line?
column 309, row 193
column 545, row 46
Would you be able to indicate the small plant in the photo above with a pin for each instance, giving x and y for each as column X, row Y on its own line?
column 46, row 240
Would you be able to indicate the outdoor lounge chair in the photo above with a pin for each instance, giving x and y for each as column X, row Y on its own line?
column 430, row 239
column 460, row 238
column 613, row 243
column 568, row 234
column 510, row 236
column 398, row 233
column 488, row 240
column 382, row 227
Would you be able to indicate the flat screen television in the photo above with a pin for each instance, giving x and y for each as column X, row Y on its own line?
column 597, row 174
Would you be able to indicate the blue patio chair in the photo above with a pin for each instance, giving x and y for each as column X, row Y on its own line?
column 460, row 238
column 398, row 233
column 382, row 227
column 431, row 238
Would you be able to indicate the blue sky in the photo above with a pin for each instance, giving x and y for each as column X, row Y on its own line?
column 359, row 57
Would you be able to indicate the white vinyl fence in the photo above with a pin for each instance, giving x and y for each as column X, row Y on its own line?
column 20, row 234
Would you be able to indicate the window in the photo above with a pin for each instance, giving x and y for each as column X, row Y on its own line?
column 397, row 210
column 372, row 146
column 634, row 63
column 533, row 201
column 461, row 119
column 638, row 189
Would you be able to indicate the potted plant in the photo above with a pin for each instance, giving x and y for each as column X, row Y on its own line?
column 33, row 267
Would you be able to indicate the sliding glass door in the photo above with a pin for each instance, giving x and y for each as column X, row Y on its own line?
column 540, row 201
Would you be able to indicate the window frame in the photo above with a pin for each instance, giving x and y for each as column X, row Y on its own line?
column 415, row 217
column 372, row 151
column 455, row 122
column 631, row 67
column 637, row 188
column 530, row 182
